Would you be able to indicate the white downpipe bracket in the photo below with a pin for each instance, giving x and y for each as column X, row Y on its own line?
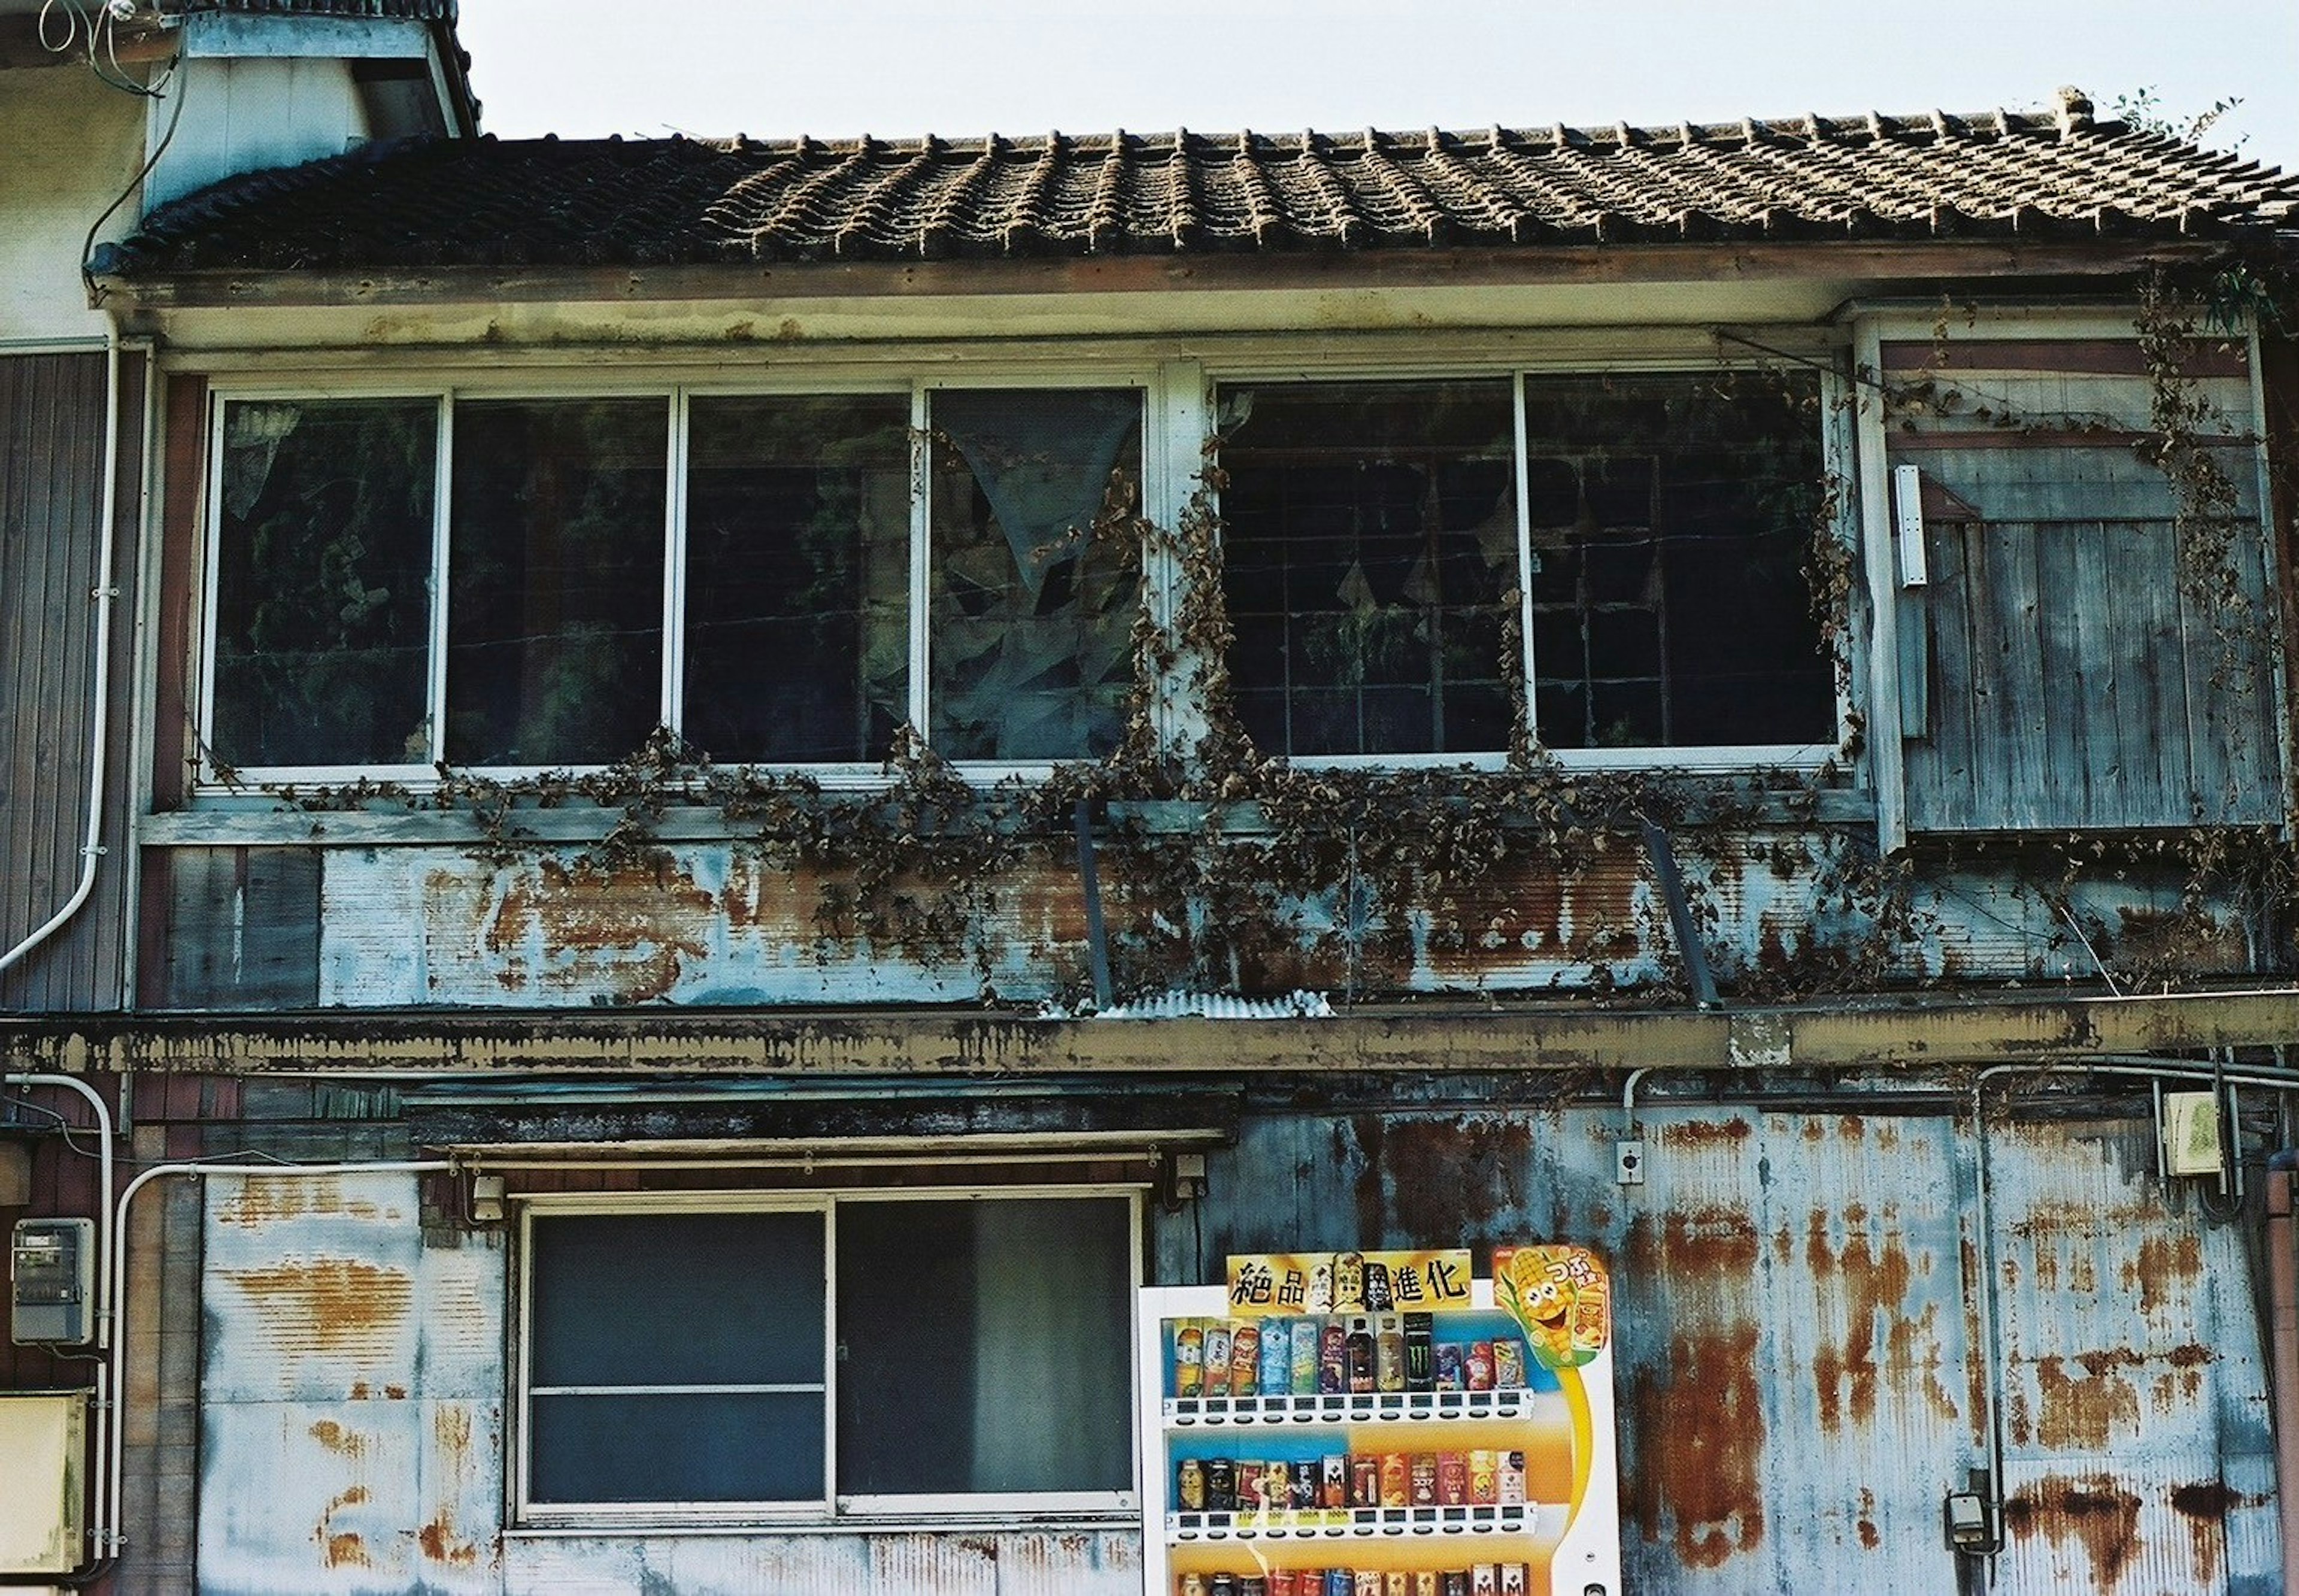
column 105, row 594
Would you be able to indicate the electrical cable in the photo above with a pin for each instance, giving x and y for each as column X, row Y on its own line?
column 175, row 119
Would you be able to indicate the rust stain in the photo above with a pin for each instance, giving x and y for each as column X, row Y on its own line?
column 397, row 1393
column 1713, row 1244
column 341, row 1547
column 631, row 929
column 1707, row 1133
column 1530, row 910
column 1871, row 1538
column 1448, row 1179
column 2079, row 1415
column 346, row 1444
column 439, row 1544
column 360, row 1390
column 1875, row 1277
column 258, row 1202
column 328, row 1304
column 2163, row 1266
column 1701, row 1422
column 2096, row 1513
column 2206, row 1505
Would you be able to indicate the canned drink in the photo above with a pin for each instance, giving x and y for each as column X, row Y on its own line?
column 1449, row 1367
column 1276, row 1357
column 1305, row 1486
column 1452, row 1480
column 1364, row 1480
column 1424, row 1479
column 1282, row 1583
column 1338, row 1581
column 1367, row 1583
column 1253, row 1584
column 1277, row 1486
column 1396, row 1583
column 1512, row 1480
column 1457, row 1581
column 1244, row 1359
column 1215, row 1374
column 1190, row 1486
column 1332, row 1358
column 1192, row 1584
column 1349, row 1282
column 1251, row 1482
column 1361, row 1355
column 1484, row 1478
column 1509, row 1364
column 1301, row 1376
column 1515, row 1580
column 1396, row 1480
column 1477, row 1368
column 1424, row 1582
column 1333, row 1480
column 1420, row 1349
column 1223, row 1585
column 1484, row 1580
column 1221, row 1486
column 1378, row 1297
column 1188, row 1359
column 1389, row 1353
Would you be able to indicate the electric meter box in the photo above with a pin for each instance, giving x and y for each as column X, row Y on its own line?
column 52, row 1282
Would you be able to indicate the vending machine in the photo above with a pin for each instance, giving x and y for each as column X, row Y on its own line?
column 1381, row 1424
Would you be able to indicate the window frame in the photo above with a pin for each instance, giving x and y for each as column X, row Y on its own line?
column 1160, row 504
column 836, row 1510
column 1836, row 465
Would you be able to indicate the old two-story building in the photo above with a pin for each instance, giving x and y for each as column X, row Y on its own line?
column 742, row 796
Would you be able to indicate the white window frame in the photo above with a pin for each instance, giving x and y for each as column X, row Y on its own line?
column 833, row 1508
column 1718, row 758
column 1160, row 503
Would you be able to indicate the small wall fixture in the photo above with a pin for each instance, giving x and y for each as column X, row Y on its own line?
column 488, row 1192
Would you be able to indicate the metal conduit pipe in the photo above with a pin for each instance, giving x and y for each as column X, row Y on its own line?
column 2283, row 1336
column 110, row 1491
column 100, row 665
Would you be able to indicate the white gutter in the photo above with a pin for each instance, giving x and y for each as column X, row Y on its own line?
column 108, row 1491
column 105, row 594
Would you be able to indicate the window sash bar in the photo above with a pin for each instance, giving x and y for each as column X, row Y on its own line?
column 784, row 1389
column 1530, row 732
column 671, row 712
column 435, row 711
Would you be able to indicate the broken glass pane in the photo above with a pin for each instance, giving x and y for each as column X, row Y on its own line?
column 798, row 554
column 1032, row 614
column 323, row 583
column 1670, row 520
column 555, row 570
column 1368, row 542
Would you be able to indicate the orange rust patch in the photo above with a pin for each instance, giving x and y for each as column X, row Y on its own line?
column 2080, row 1415
column 348, row 1443
column 631, row 930
column 2096, row 1513
column 1869, row 1537
column 397, row 1393
column 439, row 1544
column 1701, row 1430
column 1705, row 1132
column 1528, row 911
column 328, row 1304
column 1703, row 1245
column 260, row 1202
column 346, row 1550
column 2165, row 1265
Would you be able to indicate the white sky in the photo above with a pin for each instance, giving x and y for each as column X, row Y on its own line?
column 895, row 68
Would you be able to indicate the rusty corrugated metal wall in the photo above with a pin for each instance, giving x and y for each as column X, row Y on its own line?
column 51, row 496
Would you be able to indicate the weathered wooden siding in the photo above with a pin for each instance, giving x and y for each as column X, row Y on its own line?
column 50, row 497
column 2063, row 668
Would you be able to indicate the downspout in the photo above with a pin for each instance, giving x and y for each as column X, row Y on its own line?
column 105, row 594
column 2283, row 1335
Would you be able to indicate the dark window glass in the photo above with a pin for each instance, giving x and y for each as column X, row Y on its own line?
column 1368, row 540
column 1670, row 517
column 1032, row 614
column 652, row 1336
column 323, row 580
column 797, row 570
column 984, row 1346
column 555, row 571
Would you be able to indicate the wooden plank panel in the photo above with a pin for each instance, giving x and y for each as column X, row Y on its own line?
column 1940, row 779
column 2067, row 707
column 2108, row 726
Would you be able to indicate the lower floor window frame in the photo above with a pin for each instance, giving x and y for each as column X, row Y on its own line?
column 835, row 1508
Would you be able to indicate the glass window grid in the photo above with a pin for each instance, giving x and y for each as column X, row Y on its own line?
column 833, row 1507
column 1168, row 401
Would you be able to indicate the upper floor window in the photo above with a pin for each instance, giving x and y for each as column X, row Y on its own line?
column 1374, row 532
column 783, row 579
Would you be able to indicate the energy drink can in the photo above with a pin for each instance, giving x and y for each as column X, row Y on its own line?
column 1477, row 1368
column 1420, row 1361
column 1511, row 1482
column 1449, row 1367
column 1190, row 1486
column 1396, row 1480
column 1217, row 1353
column 1332, row 1358
column 1333, row 1480
column 1276, row 1357
column 1301, row 1377
column 1188, row 1359
column 1221, row 1486
column 1245, row 1359
column 1509, row 1364
column 1364, row 1480
column 1452, row 1480
column 1423, row 1480
column 1389, row 1353
column 1484, row 1478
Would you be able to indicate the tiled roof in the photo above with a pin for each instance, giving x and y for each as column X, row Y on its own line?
column 419, row 11
column 572, row 203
